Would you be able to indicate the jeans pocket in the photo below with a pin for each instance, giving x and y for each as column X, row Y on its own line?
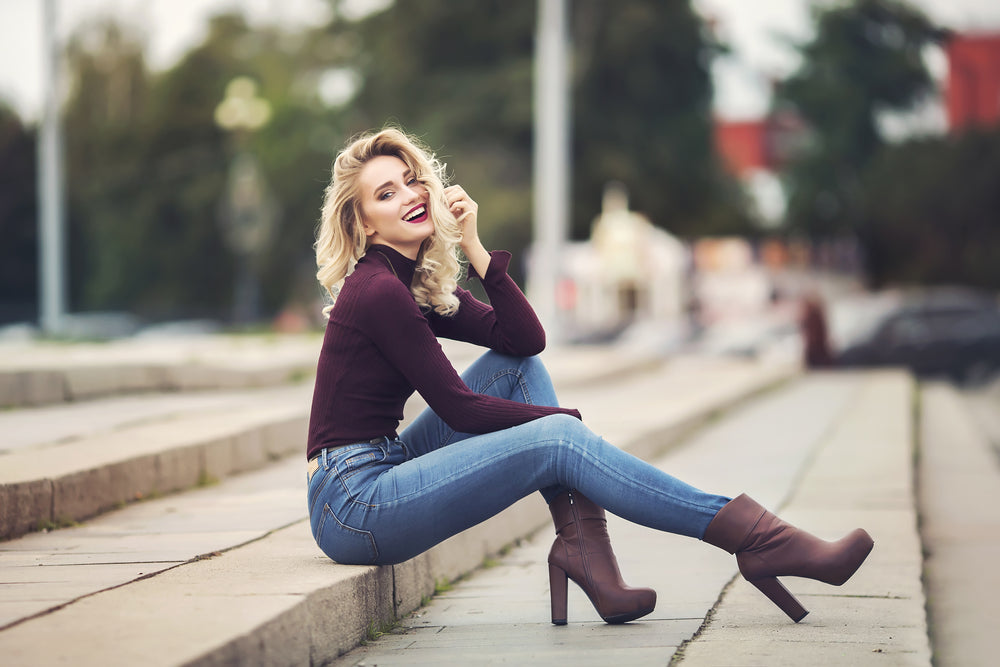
column 353, row 461
column 344, row 544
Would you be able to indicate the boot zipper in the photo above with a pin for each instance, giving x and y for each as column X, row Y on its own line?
column 584, row 560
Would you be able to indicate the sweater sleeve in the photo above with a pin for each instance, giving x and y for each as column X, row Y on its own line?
column 507, row 325
column 401, row 333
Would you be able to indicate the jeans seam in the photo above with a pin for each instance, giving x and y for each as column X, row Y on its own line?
column 327, row 510
column 521, row 383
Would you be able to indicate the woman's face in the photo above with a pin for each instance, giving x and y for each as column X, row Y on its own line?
column 394, row 204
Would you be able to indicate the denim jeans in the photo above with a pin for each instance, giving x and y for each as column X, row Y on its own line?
column 385, row 501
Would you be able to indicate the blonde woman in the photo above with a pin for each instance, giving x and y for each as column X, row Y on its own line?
column 386, row 252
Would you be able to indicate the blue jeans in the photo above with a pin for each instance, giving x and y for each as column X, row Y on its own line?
column 385, row 501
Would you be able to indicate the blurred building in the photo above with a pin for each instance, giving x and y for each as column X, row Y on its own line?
column 972, row 94
column 754, row 151
column 629, row 271
column 729, row 281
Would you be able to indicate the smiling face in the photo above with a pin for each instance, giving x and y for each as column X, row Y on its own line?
column 394, row 204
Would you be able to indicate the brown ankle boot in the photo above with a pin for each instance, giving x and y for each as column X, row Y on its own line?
column 582, row 552
column 766, row 548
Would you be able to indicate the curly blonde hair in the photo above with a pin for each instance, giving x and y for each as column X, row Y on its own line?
column 341, row 240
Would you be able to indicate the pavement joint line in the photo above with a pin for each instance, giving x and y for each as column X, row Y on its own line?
column 149, row 575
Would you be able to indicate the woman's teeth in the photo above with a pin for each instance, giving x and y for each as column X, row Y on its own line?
column 415, row 214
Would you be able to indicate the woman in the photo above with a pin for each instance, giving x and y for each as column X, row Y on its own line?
column 386, row 252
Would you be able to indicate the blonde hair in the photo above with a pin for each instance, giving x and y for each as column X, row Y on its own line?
column 341, row 240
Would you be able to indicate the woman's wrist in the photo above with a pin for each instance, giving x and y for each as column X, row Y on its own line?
column 478, row 256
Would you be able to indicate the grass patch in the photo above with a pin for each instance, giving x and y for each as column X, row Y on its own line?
column 206, row 478
column 47, row 525
column 377, row 629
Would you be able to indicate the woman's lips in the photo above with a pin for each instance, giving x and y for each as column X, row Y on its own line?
column 420, row 211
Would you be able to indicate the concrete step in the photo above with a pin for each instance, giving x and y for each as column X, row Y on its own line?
column 43, row 373
column 265, row 594
column 162, row 445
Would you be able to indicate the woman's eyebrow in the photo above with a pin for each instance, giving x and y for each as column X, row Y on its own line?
column 406, row 175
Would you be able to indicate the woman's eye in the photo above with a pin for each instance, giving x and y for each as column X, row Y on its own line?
column 385, row 195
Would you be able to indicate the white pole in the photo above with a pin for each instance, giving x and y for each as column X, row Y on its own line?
column 551, row 162
column 51, row 237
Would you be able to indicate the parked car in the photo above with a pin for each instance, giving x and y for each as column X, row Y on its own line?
column 950, row 334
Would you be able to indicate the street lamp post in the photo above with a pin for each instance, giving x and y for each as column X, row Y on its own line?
column 551, row 162
column 51, row 210
column 246, row 212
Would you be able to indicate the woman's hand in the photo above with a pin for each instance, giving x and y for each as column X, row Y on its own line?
column 466, row 212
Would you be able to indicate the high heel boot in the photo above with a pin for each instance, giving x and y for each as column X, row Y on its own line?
column 582, row 552
column 767, row 547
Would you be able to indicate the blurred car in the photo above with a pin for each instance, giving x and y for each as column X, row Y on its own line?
column 950, row 334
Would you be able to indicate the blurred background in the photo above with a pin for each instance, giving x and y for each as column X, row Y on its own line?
column 744, row 177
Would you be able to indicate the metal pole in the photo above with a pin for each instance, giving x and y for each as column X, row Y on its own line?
column 551, row 162
column 51, row 241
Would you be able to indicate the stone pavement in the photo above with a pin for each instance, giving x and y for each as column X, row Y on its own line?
column 227, row 573
column 832, row 451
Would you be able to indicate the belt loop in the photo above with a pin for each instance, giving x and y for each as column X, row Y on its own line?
column 323, row 458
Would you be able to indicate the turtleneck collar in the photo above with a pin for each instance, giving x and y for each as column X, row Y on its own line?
column 402, row 266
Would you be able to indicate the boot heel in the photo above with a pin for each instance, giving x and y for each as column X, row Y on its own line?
column 779, row 595
column 557, row 591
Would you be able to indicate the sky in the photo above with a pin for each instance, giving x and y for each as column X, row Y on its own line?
column 754, row 28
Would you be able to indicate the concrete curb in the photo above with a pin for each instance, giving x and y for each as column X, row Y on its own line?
column 960, row 522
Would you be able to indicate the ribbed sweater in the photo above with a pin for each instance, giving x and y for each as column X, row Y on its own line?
column 380, row 347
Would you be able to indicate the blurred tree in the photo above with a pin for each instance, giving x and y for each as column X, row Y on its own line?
column 865, row 59
column 148, row 165
column 109, row 253
column 939, row 223
column 18, row 220
column 642, row 114
column 460, row 75
column 148, row 168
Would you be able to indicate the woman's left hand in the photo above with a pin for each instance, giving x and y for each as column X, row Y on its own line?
column 466, row 212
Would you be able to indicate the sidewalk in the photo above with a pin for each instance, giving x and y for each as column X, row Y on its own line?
column 831, row 451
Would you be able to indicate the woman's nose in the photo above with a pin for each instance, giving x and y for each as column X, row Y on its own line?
column 413, row 192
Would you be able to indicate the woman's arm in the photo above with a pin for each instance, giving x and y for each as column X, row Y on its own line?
column 404, row 337
column 507, row 325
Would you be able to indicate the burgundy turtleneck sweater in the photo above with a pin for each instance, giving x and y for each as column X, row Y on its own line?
column 379, row 347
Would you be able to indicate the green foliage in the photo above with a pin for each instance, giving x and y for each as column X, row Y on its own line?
column 18, row 211
column 932, row 211
column 460, row 74
column 148, row 166
column 865, row 59
column 642, row 116
column 148, row 169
